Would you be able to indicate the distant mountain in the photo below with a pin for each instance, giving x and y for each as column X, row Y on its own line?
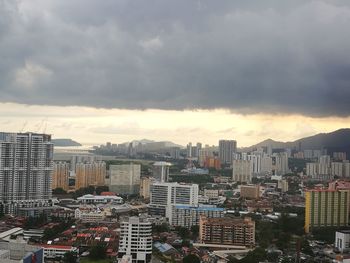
column 338, row 140
column 154, row 144
column 65, row 142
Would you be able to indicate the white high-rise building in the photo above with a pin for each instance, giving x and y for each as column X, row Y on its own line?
column 26, row 169
column 346, row 168
column 280, row 163
column 242, row 171
column 164, row 195
column 125, row 178
column 266, row 164
column 226, row 150
column 161, row 171
column 189, row 150
column 256, row 162
column 312, row 170
column 324, row 165
column 337, row 169
column 135, row 240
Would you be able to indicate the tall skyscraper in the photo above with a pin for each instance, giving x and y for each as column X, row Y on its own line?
column 226, row 150
column 136, row 240
column 125, row 178
column 60, row 175
column 326, row 208
column 26, row 169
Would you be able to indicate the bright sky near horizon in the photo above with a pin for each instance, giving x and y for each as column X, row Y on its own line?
column 96, row 126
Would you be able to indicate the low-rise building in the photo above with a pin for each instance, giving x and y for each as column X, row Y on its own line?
column 100, row 199
column 89, row 216
column 250, row 191
column 187, row 215
column 342, row 240
column 227, row 231
column 57, row 251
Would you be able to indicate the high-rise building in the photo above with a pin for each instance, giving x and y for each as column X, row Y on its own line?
column 203, row 154
column 324, row 165
column 312, row 170
column 161, row 171
column 188, row 216
column 339, row 156
column 136, row 240
column 26, row 169
column 145, row 187
column 266, row 164
column 227, row 231
column 60, row 175
column 165, row 195
column 326, row 208
column 189, row 150
column 346, row 168
column 337, row 169
column 256, row 162
column 242, row 171
column 81, row 158
column 87, row 174
column 125, row 178
column 175, row 152
column 226, row 150
column 280, row 163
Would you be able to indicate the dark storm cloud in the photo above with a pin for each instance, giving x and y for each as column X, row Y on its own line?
column 246, row 56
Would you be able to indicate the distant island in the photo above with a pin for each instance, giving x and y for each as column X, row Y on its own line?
column 65, row 142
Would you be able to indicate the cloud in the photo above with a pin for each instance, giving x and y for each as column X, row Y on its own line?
column 246, row 56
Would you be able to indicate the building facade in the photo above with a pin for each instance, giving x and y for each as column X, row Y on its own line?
column 242, row 171
column 161, row 171
column 250, row 191
column 227, row 231
column 226, row 150
column 60, row 176
column 136, row 240
column 87, row 174
column 165, row 195
column 326, row 208
column 145, row 187
column 188, row 216
column 125, row 178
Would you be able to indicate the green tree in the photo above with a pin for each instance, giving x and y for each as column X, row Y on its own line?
column 183, row 232
column 195, row 231
column 70, row 257
column 98, row 252
column 191, row 259
column 58, row 191
column 255, row 256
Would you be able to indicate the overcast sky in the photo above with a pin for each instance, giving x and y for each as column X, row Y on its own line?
column 178, row 70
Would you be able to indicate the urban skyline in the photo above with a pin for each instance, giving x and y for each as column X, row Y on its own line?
column 174, row 131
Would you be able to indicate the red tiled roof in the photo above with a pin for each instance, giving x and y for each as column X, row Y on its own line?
column 56, row 246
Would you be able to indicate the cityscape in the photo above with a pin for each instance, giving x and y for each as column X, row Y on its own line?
column 188, row 131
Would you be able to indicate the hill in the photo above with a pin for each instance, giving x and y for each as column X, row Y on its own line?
column 338, row 140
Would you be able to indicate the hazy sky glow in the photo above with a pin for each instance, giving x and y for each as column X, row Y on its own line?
column 116, row 70
column 90, row 125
